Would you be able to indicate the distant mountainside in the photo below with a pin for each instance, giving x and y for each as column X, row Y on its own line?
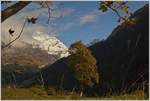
column 25, row 54
column 122, row 59
column 22, row 61
column 45, row 50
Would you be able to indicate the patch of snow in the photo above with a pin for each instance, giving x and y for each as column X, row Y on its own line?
column 51, row 44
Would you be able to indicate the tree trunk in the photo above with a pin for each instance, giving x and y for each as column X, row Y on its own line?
column 73, row 90
column 42, row 80
column 6, row 13
column 81, row 93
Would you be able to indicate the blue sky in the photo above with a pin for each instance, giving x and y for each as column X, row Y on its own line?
column 100, row 28
column 81, row 20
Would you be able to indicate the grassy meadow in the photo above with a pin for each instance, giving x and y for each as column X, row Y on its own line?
column 36, row 93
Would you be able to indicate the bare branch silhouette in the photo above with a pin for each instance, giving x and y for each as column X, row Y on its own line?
column 7, row 45
column 6, row 13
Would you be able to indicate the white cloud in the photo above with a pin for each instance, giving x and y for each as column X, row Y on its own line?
column 68, row 11
column 16, row 22
column 68, row 25
column 91, row 17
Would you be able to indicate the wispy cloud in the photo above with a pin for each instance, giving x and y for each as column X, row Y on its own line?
column 64, row 12
column 80, row 20
column 68, row 25
column 90, row 17
column 58, row 13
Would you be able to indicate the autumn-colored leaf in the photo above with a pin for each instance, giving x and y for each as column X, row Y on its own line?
column 11, row 32
column 103, row 8
column 124, row 8
column 32, row 20
column 120, row 2
column 108, row 3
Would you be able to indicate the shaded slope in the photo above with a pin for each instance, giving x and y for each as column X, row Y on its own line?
column 58, row 74
column 123, row 57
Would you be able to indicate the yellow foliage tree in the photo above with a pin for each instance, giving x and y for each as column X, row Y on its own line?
column 83, row 64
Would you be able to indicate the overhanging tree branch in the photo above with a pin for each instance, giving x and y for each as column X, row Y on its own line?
column 114, row 10
column 16, row 37
column 6, row 13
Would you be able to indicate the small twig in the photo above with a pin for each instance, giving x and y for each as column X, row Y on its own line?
column 121, row 5
column 115, row 11
column 7, row 45
column 49, row 13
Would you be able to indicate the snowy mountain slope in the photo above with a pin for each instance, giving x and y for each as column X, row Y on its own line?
column 50, row 43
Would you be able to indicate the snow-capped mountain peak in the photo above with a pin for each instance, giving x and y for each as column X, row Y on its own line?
column 51, row 44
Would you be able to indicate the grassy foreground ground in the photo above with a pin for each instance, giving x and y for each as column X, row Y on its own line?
column 36, row 93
